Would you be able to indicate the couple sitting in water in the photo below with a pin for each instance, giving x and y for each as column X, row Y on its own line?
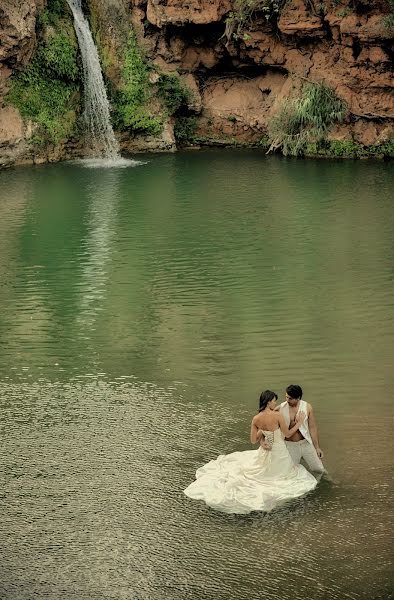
column 263, row 479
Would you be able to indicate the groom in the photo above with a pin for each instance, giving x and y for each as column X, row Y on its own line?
column 304, row 443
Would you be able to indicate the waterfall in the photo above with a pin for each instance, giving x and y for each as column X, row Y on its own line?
column 96, row 106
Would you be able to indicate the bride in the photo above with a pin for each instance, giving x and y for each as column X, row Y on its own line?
column 261, row 479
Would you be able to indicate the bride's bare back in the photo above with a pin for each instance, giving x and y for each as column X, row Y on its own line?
column 269, row 421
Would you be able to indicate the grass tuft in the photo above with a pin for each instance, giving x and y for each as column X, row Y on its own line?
column 306, row 119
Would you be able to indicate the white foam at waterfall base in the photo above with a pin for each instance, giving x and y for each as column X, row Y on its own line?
column 108, row 163
column 96, row 115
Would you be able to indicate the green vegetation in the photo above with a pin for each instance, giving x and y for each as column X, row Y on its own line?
column 385, row 149
column 388, row 20
column 344, row 12
column 130, row 102
column 350, row 149
column 173, row 92
column 185, row 129
column 108, row 54
column 55, row 11
column 264, row 142
column 47, row 90
column 319, row 8
column 58, row 58
column 306, row 119
column 343, row 149
column 241, row 17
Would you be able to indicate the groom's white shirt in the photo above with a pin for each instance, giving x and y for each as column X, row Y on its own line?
column 302, row 407
column 304, row 448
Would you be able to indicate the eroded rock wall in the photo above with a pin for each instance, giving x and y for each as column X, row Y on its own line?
column 243, row 81
column 17, row 45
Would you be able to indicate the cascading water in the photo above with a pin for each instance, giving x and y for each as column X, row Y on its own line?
column 96, row 106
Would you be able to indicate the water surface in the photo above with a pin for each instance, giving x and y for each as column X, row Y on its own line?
column 143, row 310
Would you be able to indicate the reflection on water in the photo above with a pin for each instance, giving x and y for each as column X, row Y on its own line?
column 142, row 312
column 96, row 256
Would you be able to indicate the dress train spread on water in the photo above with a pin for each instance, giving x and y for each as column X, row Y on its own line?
column 254, row 480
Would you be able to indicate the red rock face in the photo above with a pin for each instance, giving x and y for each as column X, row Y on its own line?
column 17, row 25
column 17, row 36
column 296, row 20
column 17, row 44
column 178, row 12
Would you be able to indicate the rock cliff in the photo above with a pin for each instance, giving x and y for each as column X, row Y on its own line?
column 237, row 69
column 17, row 44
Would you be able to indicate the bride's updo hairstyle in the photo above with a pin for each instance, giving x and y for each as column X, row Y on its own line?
column 266, row 397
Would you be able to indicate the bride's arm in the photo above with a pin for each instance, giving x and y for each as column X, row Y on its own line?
column 285, row 430
column 255, row 433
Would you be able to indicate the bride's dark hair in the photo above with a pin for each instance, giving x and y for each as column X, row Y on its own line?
column 266, row 397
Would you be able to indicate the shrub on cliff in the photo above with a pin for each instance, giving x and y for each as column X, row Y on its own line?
column 241, row 17
column 58, row 58
column 305, row 119
column 185, row 129
column 173, row 92
column 45, row 90
column 131, row 101
column 388, row 20
column 351, row 149
column 51, row 15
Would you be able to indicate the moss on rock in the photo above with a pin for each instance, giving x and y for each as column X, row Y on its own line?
column 131, row 101
column 47, row 91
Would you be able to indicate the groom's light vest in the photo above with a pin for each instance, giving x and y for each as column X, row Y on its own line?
column 302, row 407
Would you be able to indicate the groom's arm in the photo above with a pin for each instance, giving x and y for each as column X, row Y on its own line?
column 313, row 431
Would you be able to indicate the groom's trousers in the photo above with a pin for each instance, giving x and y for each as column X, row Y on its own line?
column 306, row 451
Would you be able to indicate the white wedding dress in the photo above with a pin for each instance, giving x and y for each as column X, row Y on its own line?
column 242, row 482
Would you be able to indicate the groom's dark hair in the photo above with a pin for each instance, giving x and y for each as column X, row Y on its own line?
column 294, row 391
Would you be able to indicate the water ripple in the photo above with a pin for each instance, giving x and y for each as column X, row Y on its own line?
column 143, row 310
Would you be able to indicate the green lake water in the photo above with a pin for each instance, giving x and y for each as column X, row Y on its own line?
column 142, row 312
